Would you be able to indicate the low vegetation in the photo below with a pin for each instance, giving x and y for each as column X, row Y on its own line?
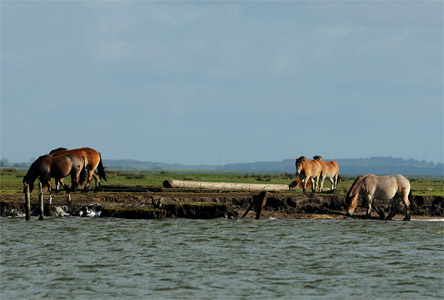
column 11, row 180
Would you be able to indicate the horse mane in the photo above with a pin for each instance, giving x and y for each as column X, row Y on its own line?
column 300, row 159
column 57, row 150
column 317, row 157
column 356, row 185
column 34, row 166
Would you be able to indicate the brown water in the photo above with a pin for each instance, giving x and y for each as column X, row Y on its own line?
column 81, row 258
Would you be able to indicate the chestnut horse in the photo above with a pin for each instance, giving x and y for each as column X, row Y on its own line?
column 382, row 188
column 93, row 161
column 46, row 167
column 298, row 183
column 308, row 170
column 330, row 170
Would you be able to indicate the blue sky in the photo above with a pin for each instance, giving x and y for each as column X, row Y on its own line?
column 201, row 82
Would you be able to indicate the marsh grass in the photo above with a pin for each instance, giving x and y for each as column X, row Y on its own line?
column 11, row 180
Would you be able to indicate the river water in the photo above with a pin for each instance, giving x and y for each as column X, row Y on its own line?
column 110, row 258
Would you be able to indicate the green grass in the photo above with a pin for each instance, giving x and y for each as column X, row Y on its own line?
column 11, row 180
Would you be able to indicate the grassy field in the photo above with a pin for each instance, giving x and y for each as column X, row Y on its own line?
column 11, row 180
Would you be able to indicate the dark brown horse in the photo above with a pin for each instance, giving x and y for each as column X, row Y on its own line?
column 47, row 167
column 93, row 162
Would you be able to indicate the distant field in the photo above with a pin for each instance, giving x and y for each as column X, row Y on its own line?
column 11, row 180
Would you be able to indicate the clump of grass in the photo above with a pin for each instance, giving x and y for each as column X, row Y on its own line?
column 135, row 176
column 263, row 178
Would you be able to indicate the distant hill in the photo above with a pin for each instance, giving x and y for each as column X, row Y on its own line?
column 355, row 166
column 375, row 165
column 149, row 165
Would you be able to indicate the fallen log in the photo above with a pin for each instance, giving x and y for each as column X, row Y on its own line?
column 224, row 186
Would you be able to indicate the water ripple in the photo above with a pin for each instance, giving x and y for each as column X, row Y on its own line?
column 78, row 258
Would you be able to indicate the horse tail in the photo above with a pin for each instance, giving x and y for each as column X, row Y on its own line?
column 410, row 197
column 340, row 178
column 101, row 169
column 83, row 173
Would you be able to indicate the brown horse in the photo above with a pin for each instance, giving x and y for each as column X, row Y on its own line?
column 47, row 167
column 93, row 161
column 308, row 170
column 330, row 170
column 382, row 188
column 298, row 184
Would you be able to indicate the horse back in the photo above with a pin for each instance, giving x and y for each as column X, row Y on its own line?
column 91, row 156
column 388, row 186
column 312, row 168
column 330, row 168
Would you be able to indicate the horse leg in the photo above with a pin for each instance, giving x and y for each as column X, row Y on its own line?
column 64, row 186
column 49, row 201
column 333, row 186
column 97, row 182
column 393, row 209
column 369, row 206
column 88, row 182
column 406, row 201
column 380, row 212
column 75, row 180
column 304, row 184
column 316, row 186
column 322, row 179
column 313, row 185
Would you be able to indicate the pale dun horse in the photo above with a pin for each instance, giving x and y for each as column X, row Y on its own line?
column 381, row 188
column 330, row 170
column 308, row 170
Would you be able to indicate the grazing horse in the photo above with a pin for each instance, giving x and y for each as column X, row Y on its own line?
column 382, row 188
column 308, row 170
column 330, row 170
column 46, row 167
column 93, row 161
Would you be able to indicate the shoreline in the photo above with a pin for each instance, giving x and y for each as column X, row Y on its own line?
column 163, row 204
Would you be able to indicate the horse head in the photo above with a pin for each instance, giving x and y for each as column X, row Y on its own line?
column 28, row 181
column 33, row 173
column 351, row 200
column 298, row 164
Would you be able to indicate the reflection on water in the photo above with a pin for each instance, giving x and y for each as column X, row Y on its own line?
column 78, row 258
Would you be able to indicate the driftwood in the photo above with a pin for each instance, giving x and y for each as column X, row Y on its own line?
column 224, row 186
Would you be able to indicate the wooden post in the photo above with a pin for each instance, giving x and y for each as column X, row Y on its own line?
column 41, row 207
column 27, row 202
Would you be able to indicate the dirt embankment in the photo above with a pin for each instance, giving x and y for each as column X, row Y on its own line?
column 207, row 205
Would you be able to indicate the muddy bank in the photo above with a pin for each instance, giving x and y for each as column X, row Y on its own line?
column 203, row 205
